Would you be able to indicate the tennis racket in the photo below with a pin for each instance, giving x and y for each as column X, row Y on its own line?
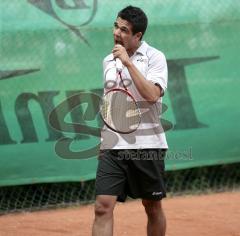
column 119, row 110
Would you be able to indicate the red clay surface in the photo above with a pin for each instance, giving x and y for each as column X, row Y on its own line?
column 207, row 215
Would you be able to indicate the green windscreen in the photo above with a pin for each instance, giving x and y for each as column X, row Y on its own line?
column 51, row 83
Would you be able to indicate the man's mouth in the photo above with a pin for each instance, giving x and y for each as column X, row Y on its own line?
column 118, row 42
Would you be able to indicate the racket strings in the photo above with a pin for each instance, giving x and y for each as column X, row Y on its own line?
column 120, row 112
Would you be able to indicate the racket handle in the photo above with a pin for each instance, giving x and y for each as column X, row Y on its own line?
column 119, row 65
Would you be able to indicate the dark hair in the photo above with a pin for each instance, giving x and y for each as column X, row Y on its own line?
column 136, row 17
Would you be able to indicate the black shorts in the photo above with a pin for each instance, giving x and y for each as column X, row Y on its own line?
column 134, row 173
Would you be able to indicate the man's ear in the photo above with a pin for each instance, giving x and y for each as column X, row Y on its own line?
column 139, row 35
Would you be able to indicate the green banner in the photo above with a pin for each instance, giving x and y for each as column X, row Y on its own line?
column 51, row 84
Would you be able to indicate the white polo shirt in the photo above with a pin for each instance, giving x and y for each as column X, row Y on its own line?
column 150, row 134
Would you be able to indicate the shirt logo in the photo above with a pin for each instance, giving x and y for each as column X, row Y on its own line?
column 142, row 59
column 156, row 193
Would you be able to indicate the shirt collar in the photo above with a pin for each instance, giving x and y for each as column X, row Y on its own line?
column 141, row 50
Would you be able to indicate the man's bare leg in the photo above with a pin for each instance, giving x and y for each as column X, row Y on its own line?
column 156, row 225
column 103, row 222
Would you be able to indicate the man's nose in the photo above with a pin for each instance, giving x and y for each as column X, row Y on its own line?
column 116, row 32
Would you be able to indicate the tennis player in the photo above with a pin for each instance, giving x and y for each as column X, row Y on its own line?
column 133, row 164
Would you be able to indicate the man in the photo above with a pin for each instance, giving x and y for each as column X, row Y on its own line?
column 133, row 164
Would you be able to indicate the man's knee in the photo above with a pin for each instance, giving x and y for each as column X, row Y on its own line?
column 152, row 208
column 104, row 205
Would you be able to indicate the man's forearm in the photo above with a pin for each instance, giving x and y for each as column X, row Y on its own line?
column 147, row 89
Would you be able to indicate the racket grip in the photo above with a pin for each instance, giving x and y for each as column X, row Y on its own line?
column 119, row 65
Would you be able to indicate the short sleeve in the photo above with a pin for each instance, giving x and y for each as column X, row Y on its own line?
column 157, row 70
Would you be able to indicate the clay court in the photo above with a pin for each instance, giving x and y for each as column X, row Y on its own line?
column 215, row 214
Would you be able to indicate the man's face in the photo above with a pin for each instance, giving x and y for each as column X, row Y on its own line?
column 122, row 33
